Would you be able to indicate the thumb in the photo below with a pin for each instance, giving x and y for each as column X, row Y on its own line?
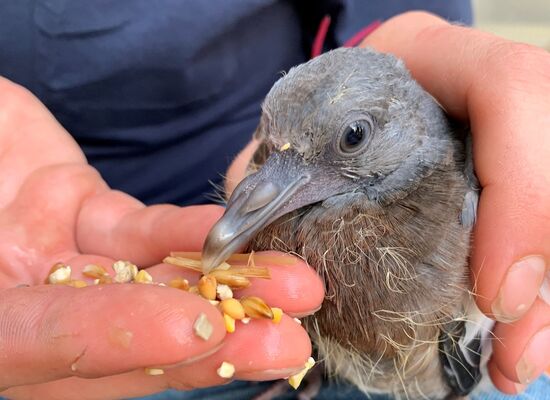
column 53, row 332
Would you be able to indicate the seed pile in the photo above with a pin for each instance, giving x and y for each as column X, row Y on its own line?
column 218, row 287
column 125, row 272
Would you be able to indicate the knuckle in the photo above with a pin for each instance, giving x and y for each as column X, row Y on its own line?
column 519, row 64
column 421, row 17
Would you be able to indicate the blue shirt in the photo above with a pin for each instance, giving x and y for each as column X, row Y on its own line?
column 162, row 94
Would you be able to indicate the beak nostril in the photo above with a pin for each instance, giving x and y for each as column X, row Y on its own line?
column 262, row 195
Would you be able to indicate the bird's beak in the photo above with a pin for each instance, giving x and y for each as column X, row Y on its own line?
column 283, row 184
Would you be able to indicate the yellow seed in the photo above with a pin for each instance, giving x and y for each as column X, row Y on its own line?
column 233, row 308
column 94, row 271
column 77, row 283
column 285, row 146
column 60, row 275
column 295, row 380
column 143, row 277
column 202, row 327
column 277, row 314
column 231, row 279
column 154, row 371
column 255, row 307
column 194, row 289
column 226, row 370
column 179, row 283
column 229, row 323
column 207, row 287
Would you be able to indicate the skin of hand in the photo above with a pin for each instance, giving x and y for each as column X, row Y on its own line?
column 55, row 207
column 502, row 88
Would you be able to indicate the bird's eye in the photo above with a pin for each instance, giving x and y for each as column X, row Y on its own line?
column 355, row 136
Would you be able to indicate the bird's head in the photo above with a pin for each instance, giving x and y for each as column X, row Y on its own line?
column 352, row 121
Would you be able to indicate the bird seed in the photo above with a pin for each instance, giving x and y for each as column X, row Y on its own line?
column 125, row 271
column 202, row 327
column 254, row 307
column 226, row 370
column 295, row 380
column 233, row 308
column 59, row 274
column 154, row 371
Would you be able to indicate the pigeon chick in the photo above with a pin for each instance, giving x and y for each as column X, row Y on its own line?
column 360, row 172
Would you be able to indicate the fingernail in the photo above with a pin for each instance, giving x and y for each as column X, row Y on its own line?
column 544, row 292
column 535, row 358
column 519, row 289
column 519, row 388
column 270, row 374
column 305, row 313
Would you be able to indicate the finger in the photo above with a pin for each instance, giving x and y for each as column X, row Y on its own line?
column 296, row 288
column 256, row 350
column 51, row 332
column 522, row 352
column 30, row 138
column 259, row 350
column 503, row 384
column 116, row 225
column 502, row 87
column 127, row 385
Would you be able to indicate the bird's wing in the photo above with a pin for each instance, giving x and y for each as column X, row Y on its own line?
column 471, row 198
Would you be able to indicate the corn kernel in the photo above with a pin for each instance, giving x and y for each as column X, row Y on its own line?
column 277, row 314
column 229, row 323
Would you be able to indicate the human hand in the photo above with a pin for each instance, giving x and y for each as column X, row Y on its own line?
column 502, row 88
column 54, row 207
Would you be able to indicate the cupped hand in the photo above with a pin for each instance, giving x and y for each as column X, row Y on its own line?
column 54, row 339
column 502, row 88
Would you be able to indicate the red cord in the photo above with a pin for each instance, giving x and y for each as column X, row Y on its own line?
column 321, row 35
column 317, row 47
column 363, row 33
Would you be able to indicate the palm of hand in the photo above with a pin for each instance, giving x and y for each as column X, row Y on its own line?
column 55, row 208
